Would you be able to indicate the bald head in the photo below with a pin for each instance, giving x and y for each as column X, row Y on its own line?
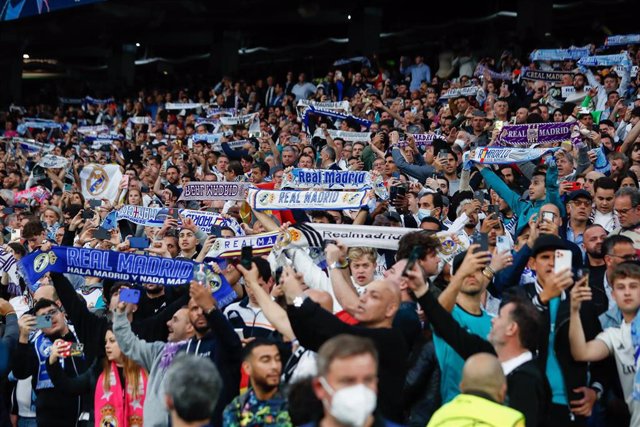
column 321, row 297
column 483, row 372
column 46, row 292
column 378, row 304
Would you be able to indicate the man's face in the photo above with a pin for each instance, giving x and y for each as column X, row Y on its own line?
column 626, row 293
column 462, row 105
column 36, row 241
column 507, row 174
column 389, row 166
column 537, row 190
column 256, row 175
column 173, row 176
column 604, row 200
column 357, row 150
column 521, row 115
column 348, row 372
column 620, row 253
column 222, row 164
column 288, row 158
column 375, row 304
column 592, row 241
column 430, row 263
column 578, row 83
column 501, row 108
column 564, row 166
column 543, row 264
column 627, row 214
column 478, row 123
column 450, row 167
column 617, row 165
column 580, row 209
column 362, row 270
column 179, row 326
column 264, row 367
column 197, row 318
column 503, row 326
column 58, row 322
column 305, row 162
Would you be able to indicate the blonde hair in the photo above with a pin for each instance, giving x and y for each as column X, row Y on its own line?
column 356, row 254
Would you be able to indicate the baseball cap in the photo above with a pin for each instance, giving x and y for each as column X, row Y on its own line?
column 579, row 193
column 547, row 242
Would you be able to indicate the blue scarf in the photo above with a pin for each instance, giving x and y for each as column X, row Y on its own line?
column 605, row 60
column 559, row 54
column 121, row 266
column 42, row 346
column 622, row 40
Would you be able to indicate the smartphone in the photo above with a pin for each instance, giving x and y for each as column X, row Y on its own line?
column 584, row 272
column 95, row 203
column 102, row 234
column 494, row 210
column 87, row 214
column 77, row 349
column 16, row 235
column 393, row 192
column 479, row 195
column 503, row 244
column 548, row 216
column 574, row 186
column 138, row 242
column 7, row 211
column 216, row 231
column 562, row 260
column 68, row 188
column 402, row 190
column 246, row 256
column 132, row 296
column 396, row 175
column 43, row 322
column 144, row 189
column 173, row 213
column 443, row 154
column 414, row 256
column 481, row 239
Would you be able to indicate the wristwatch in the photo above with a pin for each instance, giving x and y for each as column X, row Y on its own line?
column 338, row 265
column 297, row 301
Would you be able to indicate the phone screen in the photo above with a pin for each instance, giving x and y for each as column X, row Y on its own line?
column 246, row 257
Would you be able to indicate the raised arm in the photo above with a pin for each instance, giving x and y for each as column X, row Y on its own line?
column 581, row 349
column 276, row 315
column 136, row 349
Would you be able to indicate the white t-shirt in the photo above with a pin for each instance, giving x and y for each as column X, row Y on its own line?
column 618, row 340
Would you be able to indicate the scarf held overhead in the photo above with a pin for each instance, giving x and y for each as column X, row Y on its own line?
column 121, row 266
column 508, row 155
column 232, row 247
column 306, row 200
column 537, row 133
column 215, row 191
column 313, row 235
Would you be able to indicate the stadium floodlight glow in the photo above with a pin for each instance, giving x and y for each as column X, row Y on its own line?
column 25, row 56
column 349, row 17
column 137, row 44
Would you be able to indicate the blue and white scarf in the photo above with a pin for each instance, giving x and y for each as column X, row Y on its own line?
column 461, row 91
column 544, row 76
column 197, row 190
column 559, row 54
column 344, row 135
column 622, row 40
column 508, row 155
column 232, row 247
column 278, row 200
column 334, row 115
column 154, row 217
column 605, row 60
column 481, row 70
column 209, row 138
column 32, row 146
column 182, row 105
column 93, row 130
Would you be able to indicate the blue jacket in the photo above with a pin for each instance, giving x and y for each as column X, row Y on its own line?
column 525, row 208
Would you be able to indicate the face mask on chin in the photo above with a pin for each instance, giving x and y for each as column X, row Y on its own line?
column 351, row 405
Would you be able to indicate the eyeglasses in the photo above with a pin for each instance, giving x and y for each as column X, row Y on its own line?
column 631, row 257
column 622, row 211
column 584, row 203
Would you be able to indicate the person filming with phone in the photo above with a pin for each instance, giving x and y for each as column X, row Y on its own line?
column 38, row 332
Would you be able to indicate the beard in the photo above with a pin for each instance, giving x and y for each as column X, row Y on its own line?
column 596, row 254
column 155, row 290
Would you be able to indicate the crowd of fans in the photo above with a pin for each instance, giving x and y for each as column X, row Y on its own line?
column 510, row 298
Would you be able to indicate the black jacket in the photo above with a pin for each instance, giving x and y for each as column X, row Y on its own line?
column 313, row 325
column 54, row 407
column 92, row 328
column 527, row 387
column 576, row 374
column 222, row 345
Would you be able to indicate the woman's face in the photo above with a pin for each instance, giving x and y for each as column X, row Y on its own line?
column 50, row 217
column 635, row 154
column 76, row 199
column 111, row 347
column 135, row 197
column 628, row 182
column 557, row 116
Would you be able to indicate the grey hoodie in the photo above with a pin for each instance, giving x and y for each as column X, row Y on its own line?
column 149, row 356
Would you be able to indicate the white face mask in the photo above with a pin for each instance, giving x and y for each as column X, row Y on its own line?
column 352, row 405
column 423, row 213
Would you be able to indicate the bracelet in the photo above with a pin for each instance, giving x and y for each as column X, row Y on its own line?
column 486, row 274
column 490, row 270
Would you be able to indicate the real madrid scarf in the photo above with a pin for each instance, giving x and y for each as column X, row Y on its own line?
column 622, row 40
column 313, row 235
column 538, row 133
column 182, row 105
column 304, row 104
column 461, row 91
column 120, row 266
column 344, row 135
column 262, row 200
column 31, row 145
column 154, row 217
column 232, row 247
column 508, row 155
column 93, row 130
column 605, row 60
column 559, row 54
column 215, row 191
column 334, row 115
column 545, row 76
